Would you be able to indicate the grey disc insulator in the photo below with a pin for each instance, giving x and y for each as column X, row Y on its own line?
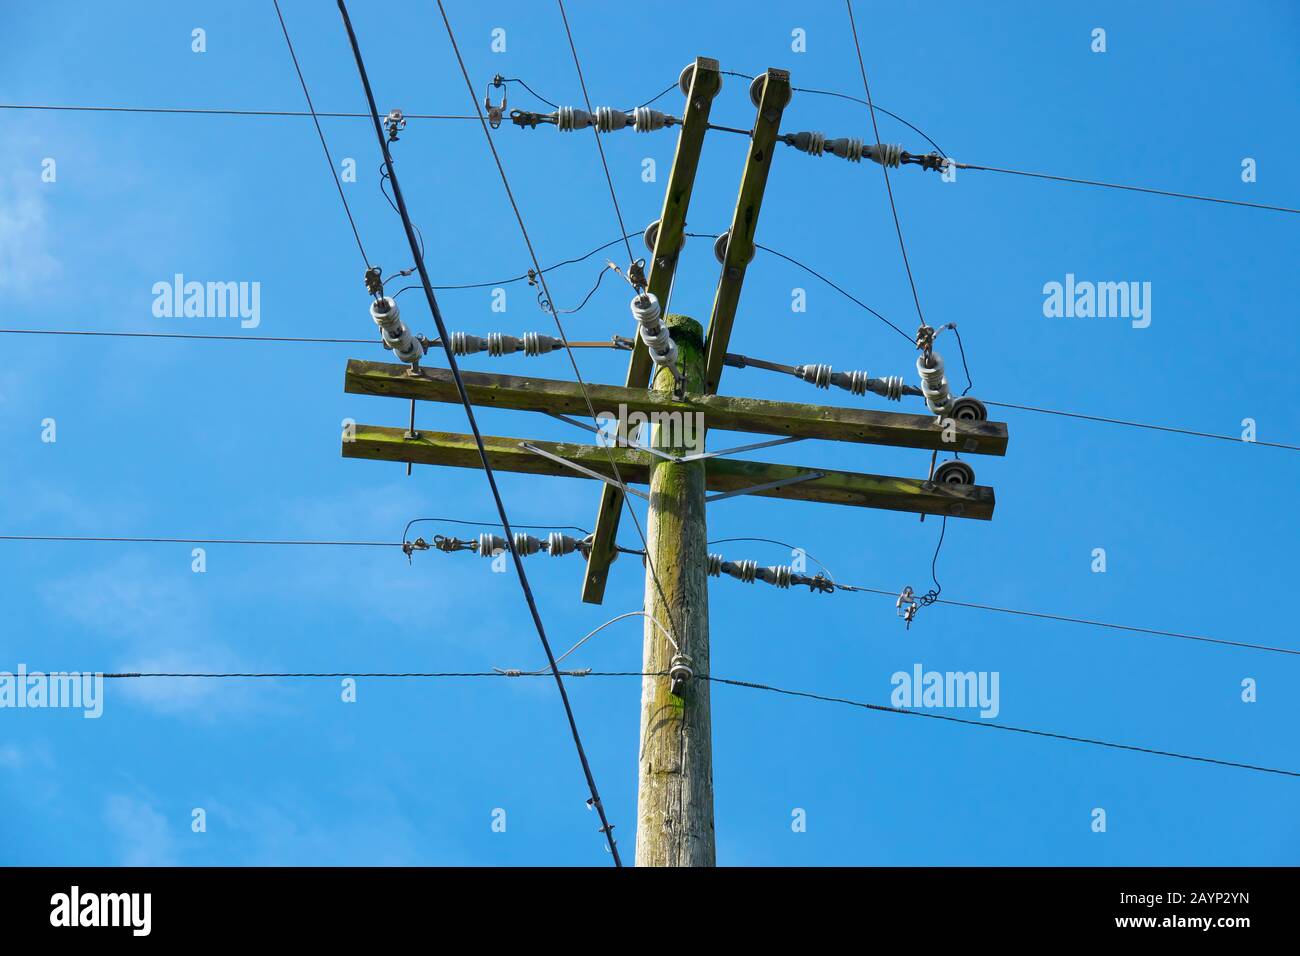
column 967, row 409
column 720, row 248
column 756, row 91
column 954, row 472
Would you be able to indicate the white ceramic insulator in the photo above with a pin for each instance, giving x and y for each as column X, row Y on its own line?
column 646, row 120
column 609, row 119
column 569, row 118
column 934, row 385
column 558, row 543
column 663, row 350
column 394, row 331
column 526, row 544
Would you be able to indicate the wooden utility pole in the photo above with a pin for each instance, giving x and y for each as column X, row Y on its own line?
column 674, row 756
column 675, row 761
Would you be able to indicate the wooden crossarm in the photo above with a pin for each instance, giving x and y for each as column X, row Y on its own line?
column 744, row 222
column 722, row 474
column 754, row 415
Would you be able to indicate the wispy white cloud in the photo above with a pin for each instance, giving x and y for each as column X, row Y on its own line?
column 154, row 624
column 143, row 835
column 11, row 758
column 26, row 260
column 297, row 830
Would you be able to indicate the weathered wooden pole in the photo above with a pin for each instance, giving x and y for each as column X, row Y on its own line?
column 675, row 772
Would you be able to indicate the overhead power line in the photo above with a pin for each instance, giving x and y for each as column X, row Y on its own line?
column 1041, row 615
column 1160, row 428
column 1079, row 620
column 411, row 674
column 969, row 722
column 1135, row 189
column 329, row 160
column 216, row 112
column 729, row 682
column 186, row 335
column 889, row 189
column 244, row 541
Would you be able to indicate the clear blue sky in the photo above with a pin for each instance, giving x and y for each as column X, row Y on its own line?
column 240, row 440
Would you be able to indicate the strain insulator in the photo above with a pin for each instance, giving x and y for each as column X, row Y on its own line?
column 462, row 343
column 569, row 118
column 744, row 570
column 559, row 544
column 819, row 375
column 777, row 575
column 497, row 344
column 886, row 154
column 854, row 381
column 811, row 142
column 489, row 545
column 501, row 344
column 526, row 544
column 646, row 120
column 394, row 331
column 609, row 119
column 847, row 147
column 535, row 343
column 892, row 387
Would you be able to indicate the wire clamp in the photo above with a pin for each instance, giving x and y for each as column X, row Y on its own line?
column 821, row 584
column 494, row 113
column 394, row 122
column 906, row 606
column 410, row 547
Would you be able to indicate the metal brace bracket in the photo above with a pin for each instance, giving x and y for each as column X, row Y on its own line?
column 739, row 448
column 620, row 442
column 754, row 489
column 526, row 446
